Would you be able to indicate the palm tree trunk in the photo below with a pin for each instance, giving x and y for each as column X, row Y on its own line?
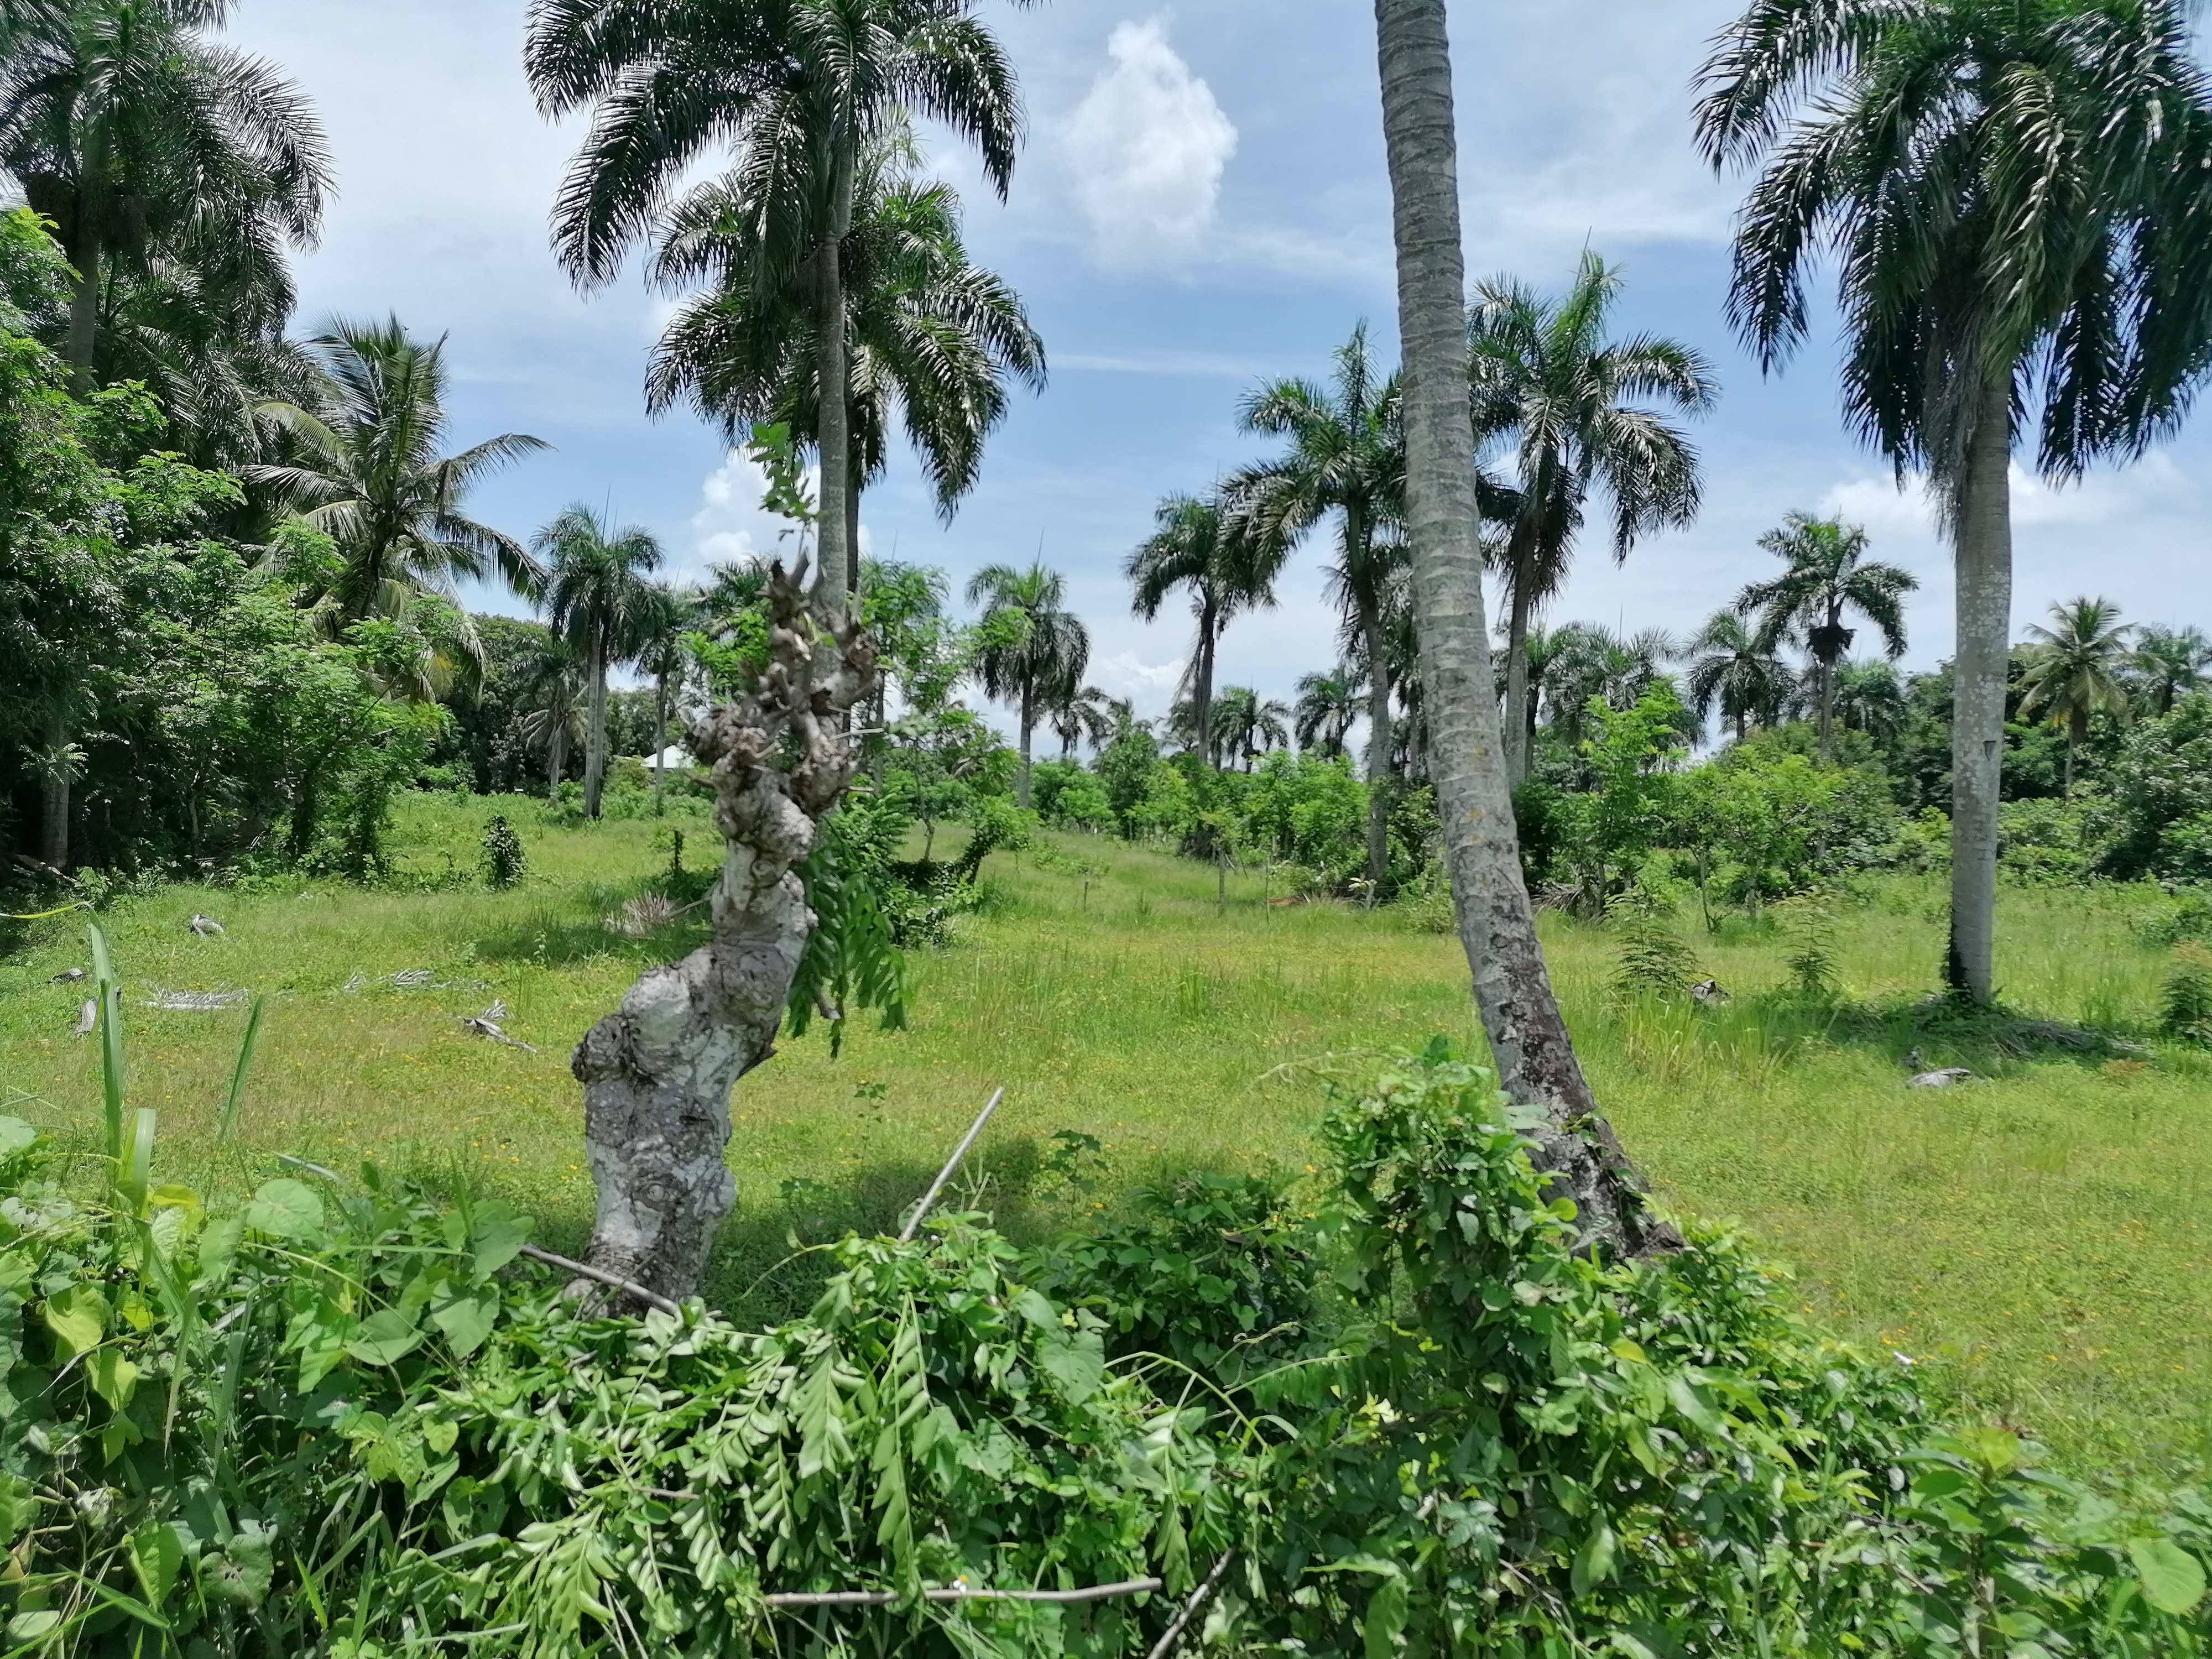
column 660, row 740
column 1201, row 690
column 1022, row 797
column 2077, row 728
column 833, row 434
column 1536, row 1061
column 1983, row 532
column 556, row 760
column 1378, row 748
column 1518, row 725
column 84, row 315
column 1825, row 682
column 54, row 839
column 595, row 735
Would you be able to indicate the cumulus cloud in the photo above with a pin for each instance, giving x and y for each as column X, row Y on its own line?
column 732, row 526
column 1150, row 686
column 1148, row 145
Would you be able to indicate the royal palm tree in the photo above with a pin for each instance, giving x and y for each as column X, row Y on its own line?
column 2074, row 671
column 1039, row 651
column 1346, row 461
column 597, row 598
column 555, row 696
column 2013, row 194
column 1328, row 707
column 1730, row 665
column 367, row 470
column 2170, row 663
column 1593, row 661
column 1870, row 698
column 934, row 341
column 1529, row 1041
column 1201, row 545
column 1087, row 714
column 1245, row 724
column 796, row 89
column 1545, row 374
column 664, row 616
column 138, row 135
column 1829, row 577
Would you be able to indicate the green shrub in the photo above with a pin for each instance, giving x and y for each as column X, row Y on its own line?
column 1654, row 961
column 1812, row 933
column 505, row 862
column 2185, row 997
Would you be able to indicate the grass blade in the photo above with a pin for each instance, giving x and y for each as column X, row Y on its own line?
column 110, row 1044
column 229, row 1121
column 137, row 1176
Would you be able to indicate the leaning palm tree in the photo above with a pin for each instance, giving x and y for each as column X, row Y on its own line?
column 1346, row 461
column 2170, row 663
column 1829, row 577
column 1730, row 665
column 1201, row 545
column 139, row 136
column 1529, row 1041
column 2074, row 671
column 1035, row 649
column 1328, row 707
column 1870, row 698
column 367, row 470
column 796, row 90
column 597, row 598
column 934, row 340
column 1086, row 714
column 2013, row 195
column 1545, row 376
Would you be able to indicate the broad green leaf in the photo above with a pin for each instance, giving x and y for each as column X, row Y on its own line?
column 284, row 1208
column 2172, row 1578
column 28, row 1627
column 1685, row 1397
column 1593, row 1561
column 157, row 1554
column 1076, row 1362
column 113, row 1378
column 78, row 1318
column 1032, row 1306
column 245, row 1570
column 438, row 1434
column 499, row 1236
column 1386, row 1616
column 16, row 1136
column 466, row 1321
column 18, row 1503
column 385, row 1338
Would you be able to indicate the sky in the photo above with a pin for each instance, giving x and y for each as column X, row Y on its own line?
column 1201, row 204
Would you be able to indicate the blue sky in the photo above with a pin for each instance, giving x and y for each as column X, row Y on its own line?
column 1200, row 204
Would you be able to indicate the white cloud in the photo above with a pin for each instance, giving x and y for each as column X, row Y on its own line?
column 730, row 524
column 1150, row 686
column 1148, row 145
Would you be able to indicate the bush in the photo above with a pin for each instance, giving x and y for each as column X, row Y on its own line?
column 1654, row 959
column 505, row 862
column 1812, row 961
column 2185, row 997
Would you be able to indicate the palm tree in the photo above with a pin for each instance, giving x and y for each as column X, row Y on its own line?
column 663, row 617
column 553, row 715
column 1730, row 665
column 1829, row 575
column 2074, row 671
column 2170, row 663
column 1347, row 460
column 1535, row 1059
column 1596, row 662
column 1870, row 698
column 934, row 339
column 1089, row 713
column 597, row 600
column 367, row 472
column 1544, row 372
column 1246, row 723
column 1327, row 709
column 138, row 135
column 1035, row 650
column 796, row 90
column 1200, row 542
column 2013, row 195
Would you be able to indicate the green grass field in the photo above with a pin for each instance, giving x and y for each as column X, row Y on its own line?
column 2039, row 1242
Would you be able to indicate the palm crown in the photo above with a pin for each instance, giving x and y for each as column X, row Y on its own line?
column 1035, row 650
column 1829, row 578
column 1732, row 664
column 2073, row 670
column 1199, row 544
column 597, row 598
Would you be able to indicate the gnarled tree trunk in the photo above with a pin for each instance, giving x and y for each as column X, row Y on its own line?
column 1535, row 1060
column 657, row 1072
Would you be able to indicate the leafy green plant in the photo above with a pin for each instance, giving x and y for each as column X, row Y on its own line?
column 1655, row 960
column 2185, row 997
column 505, row 862
column 1812, row 961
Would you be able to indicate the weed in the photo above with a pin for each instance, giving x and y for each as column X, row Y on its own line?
column 1655, row 960
column 1812, row 961
column 2185, row 997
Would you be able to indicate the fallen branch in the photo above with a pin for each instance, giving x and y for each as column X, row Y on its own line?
column 914, row 1221
column 1192, row 1603
column 885, row 1598
column 651, row 1298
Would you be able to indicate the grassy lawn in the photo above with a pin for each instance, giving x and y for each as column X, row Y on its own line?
column 2040, row 1241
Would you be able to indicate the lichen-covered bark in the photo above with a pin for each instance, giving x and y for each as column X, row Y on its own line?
column 657, row 1072
column 1536, row 1061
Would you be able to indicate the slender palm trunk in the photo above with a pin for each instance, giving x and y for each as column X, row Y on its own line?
column 2077, row 728
column 1536, row 1061
column 1825, row 681
column 84, row 315
column 595, row 735
column 1982, row 531
column 556, row 760
column 1022, row 797
column 1378, row 748
column 833, row 435
column 54, row 839
column 1201, row 688
column 1520, row 727
column 660, row 741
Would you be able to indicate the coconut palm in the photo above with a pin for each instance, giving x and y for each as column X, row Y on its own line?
column 1035, row 649
column 2074, row 671
column 555, row 696
column 1200, row 543
column 367, row 470
column 1346, row 461
column 1596, row 662
column 2170, row 663
column 796, row 90
column 2013, row 195
column 1870, row 698
column 1535, row 1057
column 140, row 137
column 597, row 598
column 934, row 340
column 1730, row 665
column 1327, row 709
column 1829, row 577
column 1089, row 713
column 1245, row 724
column 1545, row 374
